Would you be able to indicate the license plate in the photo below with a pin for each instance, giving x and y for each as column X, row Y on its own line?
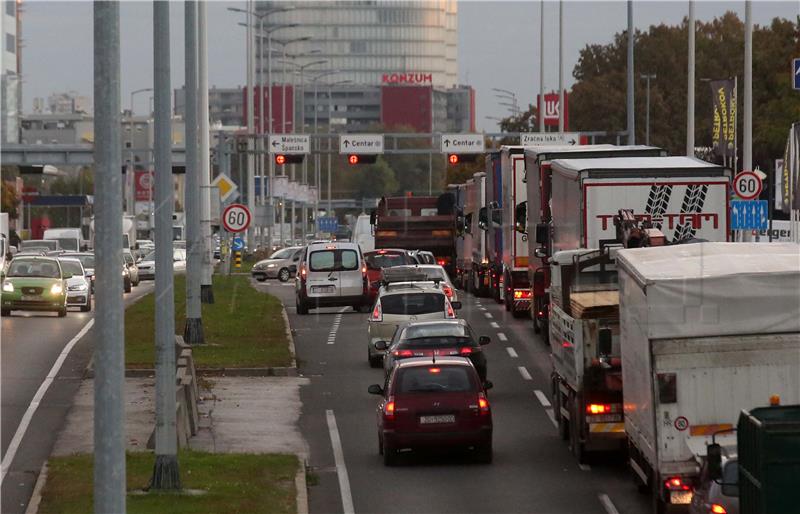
column 30, row 298
column 432, row 420
column 680, row 497
column 323, row 289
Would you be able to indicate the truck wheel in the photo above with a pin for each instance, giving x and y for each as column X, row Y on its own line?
column 576, row 445
column 537, row 329
column 302, row 308
column 563, row 424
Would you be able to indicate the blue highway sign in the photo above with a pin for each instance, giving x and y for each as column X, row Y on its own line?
column 796, row 73
column 328, row 224
column 238, row 244
column 749, row 214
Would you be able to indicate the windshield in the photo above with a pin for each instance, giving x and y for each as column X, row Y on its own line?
column 34, row 268
column 434, row 379
column 68, row 243
column 86, row 260
column 283, row 254
column 412, row 304
column 71, row 267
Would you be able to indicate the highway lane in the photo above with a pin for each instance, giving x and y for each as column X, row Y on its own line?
column 533, row 471
column 30, row 343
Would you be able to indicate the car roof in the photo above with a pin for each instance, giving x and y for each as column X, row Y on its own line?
column 387, row 250
column 35, row 258
column 333, row 245
column 428, row 361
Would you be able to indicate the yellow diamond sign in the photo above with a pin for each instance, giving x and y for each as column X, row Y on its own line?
column 225, row 185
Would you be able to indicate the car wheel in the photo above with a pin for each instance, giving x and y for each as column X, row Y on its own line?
column 261, row 278
column 380, row 446
column 483, row 453
column 284, row 275
column 374, row 360
column 127, row 286
column 5, row 312
column 62, row 312
column 389, row 456
column 302, row 308
column 87, row 307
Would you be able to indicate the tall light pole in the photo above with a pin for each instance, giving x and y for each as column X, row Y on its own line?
column 561, row 106
column 317, row 173
column 330, row 139
column 540, row 107
column 648, row 78
column 130, row 197
column 631, row 118
column 747, row 145
column 690, row 86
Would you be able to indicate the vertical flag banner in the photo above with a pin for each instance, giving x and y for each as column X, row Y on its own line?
column 724, row 123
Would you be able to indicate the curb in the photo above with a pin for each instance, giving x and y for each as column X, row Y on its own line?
column 300, row 486
column 289, row 336
column 36, row 496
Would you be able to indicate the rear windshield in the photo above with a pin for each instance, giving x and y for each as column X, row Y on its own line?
column 71, row 267
column 411, row 304
column 436, row 330
column 434, row 379
column 333, row 260
column 386, row 260
column 68, row 243
column 86, row 259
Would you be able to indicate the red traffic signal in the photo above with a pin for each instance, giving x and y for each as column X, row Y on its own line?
column 354, row 159
column 281, row 159
column 455, row 158
column 452, row 158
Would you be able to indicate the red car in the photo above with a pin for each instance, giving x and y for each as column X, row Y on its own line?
column 384, row 258
column 434, row 403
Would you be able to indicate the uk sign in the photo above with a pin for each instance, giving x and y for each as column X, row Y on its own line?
column 551, row 108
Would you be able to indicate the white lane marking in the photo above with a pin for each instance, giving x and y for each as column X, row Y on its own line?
column 488, row 315
column 501, row 336
column 482, row 308
column 542, row 398
column 11, row 451
column 334, row 328
column 341, row 469
column 511, row 352
column 552, row 417
column 524, row 373
column 494, row 324
column 585, row 467
column 607, row 504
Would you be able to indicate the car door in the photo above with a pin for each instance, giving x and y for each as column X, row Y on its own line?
column 351, row 279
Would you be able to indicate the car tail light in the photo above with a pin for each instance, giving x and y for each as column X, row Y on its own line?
column 717, row 509
column 677, row 484
column 441, row 262
column 377, row 312
column 364, row 269
column 466, row 350
column 598, row 408
column 448, row 291
column 403, row 353
column 449, row 312
column 388, row 409
column 522, row 294
column 303, row 272
column 483, row 404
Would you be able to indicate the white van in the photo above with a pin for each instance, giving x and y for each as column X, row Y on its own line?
column 69, row 239
column 331, row 274
column 362, row 234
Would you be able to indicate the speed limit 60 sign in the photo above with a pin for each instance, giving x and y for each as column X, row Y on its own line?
column 747, row 185
column 236, row 218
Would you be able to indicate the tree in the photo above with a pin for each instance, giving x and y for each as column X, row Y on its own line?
column 367, row 180
column 10, row 202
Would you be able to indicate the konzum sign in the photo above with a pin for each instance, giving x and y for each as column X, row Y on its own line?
column 407, row 78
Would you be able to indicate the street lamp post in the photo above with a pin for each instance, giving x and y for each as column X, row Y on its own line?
column 647, row 77
column 131, row 178
column 317, row 173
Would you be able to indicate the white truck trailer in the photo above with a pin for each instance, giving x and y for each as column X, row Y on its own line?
column 706, row 330
column 476, row 261
column 682, row 197
column 516, row 286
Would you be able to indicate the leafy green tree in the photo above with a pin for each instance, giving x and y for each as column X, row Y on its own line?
column 10, row 202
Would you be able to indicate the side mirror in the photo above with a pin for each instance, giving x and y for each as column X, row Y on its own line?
column 604, row 341
column 483, row 219
column 540, row 253
column 456, row 305
column 381, row 345
column 373, row 217
column 542, row 233
column 714, row 453
column 488, row 385
column 484, row 340
column 375, row 389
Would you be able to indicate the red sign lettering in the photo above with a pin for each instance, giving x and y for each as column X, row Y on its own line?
column 407, row 78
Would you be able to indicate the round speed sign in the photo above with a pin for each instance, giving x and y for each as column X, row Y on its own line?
column 747, row 185
column 236, row 218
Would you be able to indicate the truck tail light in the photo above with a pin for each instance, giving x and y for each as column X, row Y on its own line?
column 677, row 484
column 522, row 294
column 377, row 312
column 716, row 508
column 598, row 408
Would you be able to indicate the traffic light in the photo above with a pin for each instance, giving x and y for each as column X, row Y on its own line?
column 454, row 159
column 281, row 159
column 354, row 159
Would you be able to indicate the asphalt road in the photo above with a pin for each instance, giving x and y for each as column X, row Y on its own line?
column 533, row 470
column 30, row 343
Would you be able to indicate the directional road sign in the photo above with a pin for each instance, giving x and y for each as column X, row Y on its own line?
column 463, row 143
column 361, row 143
column 549, row 138
column 747, row 185
column 749, row 214
column 796, row 73
column 290, row 144
column 238, row 244
column 236, row 218
column 328, row 224
column 225, row 185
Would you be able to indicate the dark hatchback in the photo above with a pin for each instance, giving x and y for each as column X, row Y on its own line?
column 433, row 404
column 445, row 338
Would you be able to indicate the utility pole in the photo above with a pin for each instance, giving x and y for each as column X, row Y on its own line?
column 690, row 86
column 747, row 148
column 109, row 382
column 193, row 329
column 631, row 117
column 166, row 474
column 206, row 289
column 648, row 77
column 251, row 182
column 561, row 107
column 540, row 108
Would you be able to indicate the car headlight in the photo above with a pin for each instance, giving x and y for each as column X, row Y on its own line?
column 8, row 287
column 270, row 265
column 78, row 287
column 56, row 289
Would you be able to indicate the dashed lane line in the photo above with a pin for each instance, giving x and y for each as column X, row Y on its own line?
column 341, row 469
column 494, row 324
column 511, row 352
column 608, row 505
column 488, row 315
column 584, row 467
column 501, row 336
column 524, row 372
column 335, row 327
column 542, row 398
column 551, row 417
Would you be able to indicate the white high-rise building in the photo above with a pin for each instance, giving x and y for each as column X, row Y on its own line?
column 9, row 77
column 368, row 42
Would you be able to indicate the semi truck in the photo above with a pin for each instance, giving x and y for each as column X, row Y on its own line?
column 418, row 223
column 622, row 202
column 537, row 183
column 463, row 238
column 474, row 211
column 516, row 289
column 492, row 223
column 706, row 330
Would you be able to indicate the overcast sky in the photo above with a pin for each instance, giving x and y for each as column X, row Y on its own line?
column 498, row 43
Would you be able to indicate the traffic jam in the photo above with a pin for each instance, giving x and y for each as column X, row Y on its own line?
column 622, row 268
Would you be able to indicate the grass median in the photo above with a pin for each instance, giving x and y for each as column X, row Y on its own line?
column 213, row 483
column 244, row 328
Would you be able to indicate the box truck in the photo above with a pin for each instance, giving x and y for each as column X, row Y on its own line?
column 493, row 223
column 516, row 286
column 474, row 211
column 706, row 330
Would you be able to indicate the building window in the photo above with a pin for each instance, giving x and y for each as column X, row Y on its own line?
column 10, row 8
column 11, row 43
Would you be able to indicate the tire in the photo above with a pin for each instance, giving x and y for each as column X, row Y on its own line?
column 128, row 287
column 389, row 456
column 302, row 308
column 5, row 313
column 563, row 424
column 374, row 361
column 62, row 313
column 537, row 329
column 484, row 453
column 284, row 275
column 576, row 445
column 261, row 278
column 87, row 307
